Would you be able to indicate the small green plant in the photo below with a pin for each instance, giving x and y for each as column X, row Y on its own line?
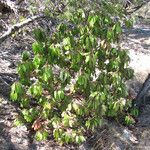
column 76, row 77
column 129, row 120
column 134, row 112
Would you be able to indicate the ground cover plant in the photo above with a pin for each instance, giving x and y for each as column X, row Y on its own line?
column 77, row 75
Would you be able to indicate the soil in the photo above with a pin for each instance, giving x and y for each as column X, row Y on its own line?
column 113, row 136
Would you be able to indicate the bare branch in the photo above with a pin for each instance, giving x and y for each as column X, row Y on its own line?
column 17, row 26
column 137, row 7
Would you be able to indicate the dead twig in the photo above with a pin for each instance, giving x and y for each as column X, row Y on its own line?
column 134, row 9
column 17, row 26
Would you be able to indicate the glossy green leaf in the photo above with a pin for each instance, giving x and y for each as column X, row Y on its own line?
column 25, row 55
column 47, row 74
column 38, row 61
column 16, row 91
column 92, row 20
column 36, row 90
column 118, row 28
column 40, row 35
column 39, row 136
column 27, row 116
column 37, row 47
column 59, row 95
column 110, row 35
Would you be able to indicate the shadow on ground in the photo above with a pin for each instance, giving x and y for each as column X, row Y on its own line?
column 5, row 139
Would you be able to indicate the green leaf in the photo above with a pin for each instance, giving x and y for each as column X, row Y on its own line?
column 88, row 124
column 44, row 135
column 92, row 20
column 66, row 41
column 67, row 138
column 64, row 76
column 129, row 120
column 14, row 96
column 47, row 105
column 18, row 122
column 59, row 95
column 36, row 90
column 116, row 106
column 107, row 20
column 75, row 106
column 62, row 28
column 88, row 43
column 53, row 54
column 81, row 80
column 81, row 139
column 24, row 71
column 39, row 136
column 77, row 139
column 38, row 61
column 87, row 59
column 25, row 55
column 129, row 23
column 118, row 28
column 56, row 133
column 16, row 91
column 135, row 112
column 37, row 48
column 27, row 116
column 40, row 35
column 24, row 102
column 102, row 96
column 129, row 73
column 81, row 14
column 47, row 74
column 110, row 35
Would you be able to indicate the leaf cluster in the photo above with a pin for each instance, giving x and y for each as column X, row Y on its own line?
column 76, row 78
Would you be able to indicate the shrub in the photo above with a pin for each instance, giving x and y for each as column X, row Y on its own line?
column 76, row 78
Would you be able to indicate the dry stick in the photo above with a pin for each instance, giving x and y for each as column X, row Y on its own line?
column 137, row 7
column 17, row 26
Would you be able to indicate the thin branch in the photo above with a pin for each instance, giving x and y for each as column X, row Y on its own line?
column 137, row 7
column 17, row 26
